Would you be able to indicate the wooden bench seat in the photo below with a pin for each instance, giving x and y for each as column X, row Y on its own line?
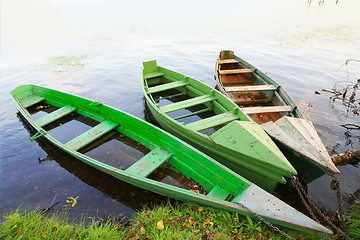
column 237, row 71
column 31, row 100
column 267, row 109
column 251, row 88
column 166, row 86
column 212, row 121
column 153, row 75
column 91, row 135
column 218, row 192
column 51, row 117
column 147, row 164
column 226, row 61
column 187, row 103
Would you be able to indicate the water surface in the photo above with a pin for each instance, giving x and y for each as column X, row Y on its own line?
column 96, row 49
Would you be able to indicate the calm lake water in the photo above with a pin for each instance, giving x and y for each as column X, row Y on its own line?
column 95, row 49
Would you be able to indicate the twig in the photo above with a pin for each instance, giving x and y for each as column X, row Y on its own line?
column 350, row 126
column 350, row 60
column 352, row 195
column 330, row 91
column 51, row 205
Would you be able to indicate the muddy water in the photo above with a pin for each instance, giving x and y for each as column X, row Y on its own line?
column 97, row 52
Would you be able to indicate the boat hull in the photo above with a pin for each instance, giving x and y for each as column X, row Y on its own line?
column 249, row 152
column 277, row 113
column 223, row 155
column 221, row 182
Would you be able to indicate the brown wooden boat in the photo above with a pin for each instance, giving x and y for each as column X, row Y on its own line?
column 269, row 105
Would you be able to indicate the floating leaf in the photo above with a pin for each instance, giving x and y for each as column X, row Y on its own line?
column 72, row 201
column 160, row 225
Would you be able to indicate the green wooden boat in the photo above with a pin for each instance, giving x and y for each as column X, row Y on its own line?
column 208, row 120
column 219, row 186
column 269, row 105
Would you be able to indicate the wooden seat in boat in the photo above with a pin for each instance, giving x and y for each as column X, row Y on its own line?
column 266, row 109
column 251, row 88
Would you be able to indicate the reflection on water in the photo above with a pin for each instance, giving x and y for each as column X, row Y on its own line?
column 97, row 52
column 120, row 151
column 306, row 35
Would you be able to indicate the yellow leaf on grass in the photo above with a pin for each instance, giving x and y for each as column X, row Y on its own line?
column 142, row 230
column 160, row 225
column 200, row 209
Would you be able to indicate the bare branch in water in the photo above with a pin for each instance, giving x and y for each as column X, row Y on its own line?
column 348, row 157
column 349, row 95
column 321, row 2
column 350, row 60
column 351, row 126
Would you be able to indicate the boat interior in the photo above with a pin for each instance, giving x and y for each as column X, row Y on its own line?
column 119, row 146
column 201, row 112
column 112, row 148
column 243, row 84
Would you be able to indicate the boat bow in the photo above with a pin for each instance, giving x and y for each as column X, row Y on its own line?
column 268, row 206
column 247, row 137
column 304, row 140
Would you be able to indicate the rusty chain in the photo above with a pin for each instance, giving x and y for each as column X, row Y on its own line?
column 336, row 182
column 301, row 191
column 269, row 224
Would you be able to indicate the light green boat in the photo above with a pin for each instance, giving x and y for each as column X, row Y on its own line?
column 208, row 120
column 216, row 185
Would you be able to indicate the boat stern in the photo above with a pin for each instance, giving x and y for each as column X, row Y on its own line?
column 256, row 200
column 248, row 138
column 304, row 139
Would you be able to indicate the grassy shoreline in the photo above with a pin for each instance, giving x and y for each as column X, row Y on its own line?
column 167, row 221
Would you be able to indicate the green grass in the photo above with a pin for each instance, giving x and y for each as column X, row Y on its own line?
column 181, row 221
column 33, row 225
column 353, row 224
